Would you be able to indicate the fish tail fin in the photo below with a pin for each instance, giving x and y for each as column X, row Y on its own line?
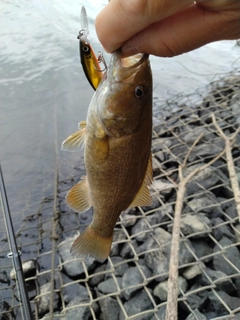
column 90, row 243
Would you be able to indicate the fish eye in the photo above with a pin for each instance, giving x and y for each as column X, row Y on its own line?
column 139, row 92
column 85, row 49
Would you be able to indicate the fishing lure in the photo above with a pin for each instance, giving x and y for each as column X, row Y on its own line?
column 90, row 62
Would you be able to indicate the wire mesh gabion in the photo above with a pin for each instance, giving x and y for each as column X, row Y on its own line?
column 132, row 282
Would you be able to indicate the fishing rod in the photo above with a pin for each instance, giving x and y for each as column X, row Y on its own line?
column 15, row 253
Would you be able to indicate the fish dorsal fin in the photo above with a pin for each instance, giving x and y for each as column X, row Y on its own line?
column 78, row 198
column 75, row 142
column 143, row 197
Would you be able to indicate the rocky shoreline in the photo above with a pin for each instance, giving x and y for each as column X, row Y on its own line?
column 133, row 281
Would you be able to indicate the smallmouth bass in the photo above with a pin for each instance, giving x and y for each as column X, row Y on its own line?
column 117, row 139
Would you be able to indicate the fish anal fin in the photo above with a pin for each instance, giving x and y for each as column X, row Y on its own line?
column 89, row 243
column 143, row 197
column 78, row 198
column 75, row 142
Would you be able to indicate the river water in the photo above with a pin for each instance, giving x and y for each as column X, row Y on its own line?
column 44, row 93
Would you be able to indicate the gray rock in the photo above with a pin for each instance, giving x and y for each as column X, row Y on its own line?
column 206, row 149
column 70, row 290
column 196, row 315
column 194, row 270
column 202, row 249
column 110, row 286
column 119, row 267
column 128, row 220
column 221, row 229
column 237, row 232
column 162, row 186
column 219, row 278
column 141, row 230
column 45, row 298
column 207, row 203
column 27, row 268
column 78, row 311
column 192, row 133
column 161, row 144
column 196, row 300
column 161, row 290
column 160, row 156
column 72, row 266
column 205, row 179
column 160, row 215
column 97, row 276
column 231, row 253
column 155, row 203
column 129, row 248
column 133, row 277
column 158, row 260
column 161, row 313
column 195, row 223
column 4, row 278
column 118, row 236
column 110, row 308
column 218, row 307
column 139, row 303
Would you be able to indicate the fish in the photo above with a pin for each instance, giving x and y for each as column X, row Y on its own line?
column 117, row 137
column 90, row 62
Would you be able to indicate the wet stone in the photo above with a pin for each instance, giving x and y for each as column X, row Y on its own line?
column 118, row 235
column 133, row 277
column 195, row 300
column 141, row 230
column 127, row 249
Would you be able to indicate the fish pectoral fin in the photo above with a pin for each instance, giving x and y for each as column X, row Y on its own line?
column 143, row 197
column 78, row 198
column 90, row 243
column 82, row 125
column 75, row 142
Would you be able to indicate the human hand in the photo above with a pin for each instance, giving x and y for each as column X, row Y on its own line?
column 166, row 27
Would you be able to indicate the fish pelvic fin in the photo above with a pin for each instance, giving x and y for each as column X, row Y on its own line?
column 143, row 197
column 78, row 198
column 91, row 243
column 76, row 141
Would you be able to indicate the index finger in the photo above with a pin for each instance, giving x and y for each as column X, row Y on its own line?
column 122, row 19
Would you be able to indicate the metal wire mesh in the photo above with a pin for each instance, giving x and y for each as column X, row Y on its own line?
column 131, row 283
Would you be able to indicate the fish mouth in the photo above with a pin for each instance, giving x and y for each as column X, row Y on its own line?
column 125, row 69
